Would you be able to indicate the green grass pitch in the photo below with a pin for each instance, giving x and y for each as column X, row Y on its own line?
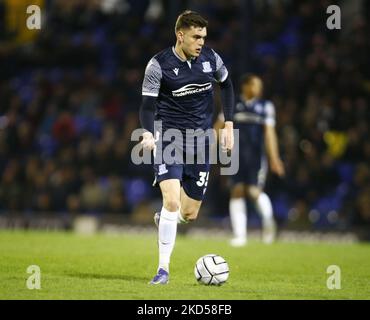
column 119, row 267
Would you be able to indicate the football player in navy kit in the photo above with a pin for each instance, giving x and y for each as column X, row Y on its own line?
column 258, row 147
column 178, row 91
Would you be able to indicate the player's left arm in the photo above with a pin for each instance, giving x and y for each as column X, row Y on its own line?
column 271, row 142
column 150, row 92
column 227, row 99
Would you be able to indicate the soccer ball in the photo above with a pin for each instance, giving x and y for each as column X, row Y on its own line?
column 211, row 269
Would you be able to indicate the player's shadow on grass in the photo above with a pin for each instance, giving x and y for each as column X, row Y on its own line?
column 106, row 276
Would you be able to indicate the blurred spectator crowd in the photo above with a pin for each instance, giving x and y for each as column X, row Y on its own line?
column 69, row 101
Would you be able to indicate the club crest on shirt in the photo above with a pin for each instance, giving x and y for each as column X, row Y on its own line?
column 207, row 66
column 258, row 108
column 162, row 169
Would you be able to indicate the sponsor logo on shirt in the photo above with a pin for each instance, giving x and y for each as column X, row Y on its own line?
column 192, row 88
column 248, row 117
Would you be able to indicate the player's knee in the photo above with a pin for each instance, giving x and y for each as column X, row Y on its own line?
column 237, row 192
column 190, row 215
column 253, row 193
column 171, row 205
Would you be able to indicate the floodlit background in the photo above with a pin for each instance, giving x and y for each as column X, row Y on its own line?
column 70, row 95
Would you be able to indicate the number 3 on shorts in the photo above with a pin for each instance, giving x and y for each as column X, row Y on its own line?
column 203, row 179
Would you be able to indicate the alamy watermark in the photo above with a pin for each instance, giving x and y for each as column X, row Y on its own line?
column 34, row 280
column 334, row 280
column 33, row 21
column 190, row 147
column 334, row 20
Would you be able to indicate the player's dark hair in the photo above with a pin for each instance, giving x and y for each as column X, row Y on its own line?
column 189, row 19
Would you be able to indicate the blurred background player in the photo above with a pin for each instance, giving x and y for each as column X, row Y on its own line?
column 255, row 119
column 178, row 90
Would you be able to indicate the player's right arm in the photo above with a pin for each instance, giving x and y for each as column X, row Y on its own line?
column 150, row 92
column 271, row 142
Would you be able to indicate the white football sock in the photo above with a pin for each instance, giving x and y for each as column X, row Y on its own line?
column 264, row 208
column 166, row 236
column 180, row 219
column 238, row 215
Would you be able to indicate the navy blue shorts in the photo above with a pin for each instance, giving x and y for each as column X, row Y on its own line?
column 252, row 171
column 193, row 177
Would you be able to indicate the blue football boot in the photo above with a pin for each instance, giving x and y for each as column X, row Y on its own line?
column 162, row 277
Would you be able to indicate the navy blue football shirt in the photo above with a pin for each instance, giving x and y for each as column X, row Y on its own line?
column 184, row 88
column 250, row 117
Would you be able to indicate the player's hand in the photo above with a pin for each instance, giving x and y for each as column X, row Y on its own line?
column 277, row 167
column 227, row 136
column 148, row 141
